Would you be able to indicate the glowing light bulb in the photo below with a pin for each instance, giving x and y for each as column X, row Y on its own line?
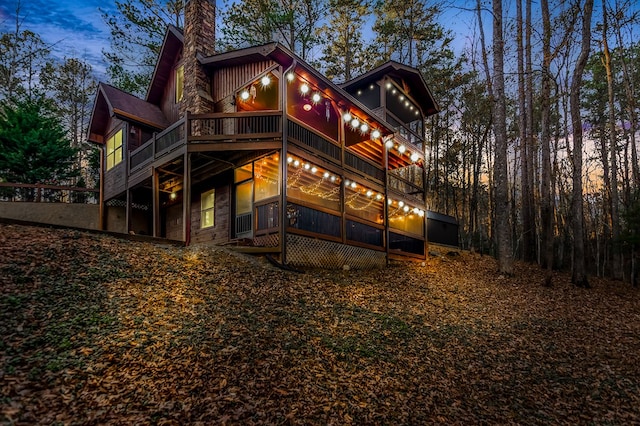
column 364, row 127
column 265, row 80
column 290, row 76
column 406, row 209
column 304, row 88
column 378, row 196
column 416, row 210
column 316, row 97
column 354, row 123
column 389, row 144
column 314, row 169
column 244, row 95
column 326, row 175
column 401, row 203
column 402, row 149
column 307, row 166
column 346, row 116
column 415, row 157
column 375, row 134
column 369, row 193
column 333, row 178
column 289, row 160
column 389, row 201
column 296, row 163
column 353, row 185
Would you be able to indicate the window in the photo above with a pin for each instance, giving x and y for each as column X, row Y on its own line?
column 114, row 150
column 207, row 203
column 179, row 83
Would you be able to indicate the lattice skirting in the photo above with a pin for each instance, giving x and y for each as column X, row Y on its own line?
column 311, row 252
column 269, row 240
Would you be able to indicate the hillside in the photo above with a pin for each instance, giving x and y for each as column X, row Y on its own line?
column 98, row 330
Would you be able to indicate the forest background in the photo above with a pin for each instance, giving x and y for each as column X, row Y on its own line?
column 534, row 150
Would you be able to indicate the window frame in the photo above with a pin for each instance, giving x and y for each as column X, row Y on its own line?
column 204, row 210
column 113, row 152
column 179, row 82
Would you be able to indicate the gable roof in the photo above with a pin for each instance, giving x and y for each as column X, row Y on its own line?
column 113, row 102
column 171, row 47
column 419, row 90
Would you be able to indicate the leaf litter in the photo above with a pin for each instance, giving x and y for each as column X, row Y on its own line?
column 99, row 330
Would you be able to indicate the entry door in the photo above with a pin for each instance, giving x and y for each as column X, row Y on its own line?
column 244, row 210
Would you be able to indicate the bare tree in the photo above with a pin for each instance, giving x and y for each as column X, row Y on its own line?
column 501, row 178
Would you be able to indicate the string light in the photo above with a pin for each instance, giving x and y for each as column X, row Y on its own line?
column 266, row 80
column 414, row 157
column 290, row 76
column 375, row 134
column 402, row 149
column 316, row 97
column 244, row 95
column 304, row 88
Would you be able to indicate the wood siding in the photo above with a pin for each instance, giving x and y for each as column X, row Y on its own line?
column 168, row 104
column 174, row 222
column 219, row 232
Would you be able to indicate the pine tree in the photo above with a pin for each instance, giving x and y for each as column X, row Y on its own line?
column 137, row 29
column 34, row 147
column 345, row 54
column 293, row 23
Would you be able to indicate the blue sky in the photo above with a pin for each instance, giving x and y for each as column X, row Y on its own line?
column 72, row 28
column 75, row 28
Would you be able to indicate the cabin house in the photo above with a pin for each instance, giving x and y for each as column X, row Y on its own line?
column 257, row 149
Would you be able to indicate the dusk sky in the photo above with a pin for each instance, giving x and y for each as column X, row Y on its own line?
column 75, row 28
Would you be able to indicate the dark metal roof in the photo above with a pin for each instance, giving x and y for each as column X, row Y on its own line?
column 171, row 48
column 418, row 88
column 111, row 102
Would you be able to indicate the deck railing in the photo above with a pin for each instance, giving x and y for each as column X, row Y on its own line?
column 231, row 127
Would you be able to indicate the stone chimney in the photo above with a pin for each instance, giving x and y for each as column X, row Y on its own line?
column 199, row 39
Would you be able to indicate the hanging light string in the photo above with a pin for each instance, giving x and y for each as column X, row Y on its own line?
column 315, row 188
column 362, row 195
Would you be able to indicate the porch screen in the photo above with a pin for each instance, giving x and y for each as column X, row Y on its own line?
column 406, row 218
column 259, row 95
column 312, row 184
column 363, row 202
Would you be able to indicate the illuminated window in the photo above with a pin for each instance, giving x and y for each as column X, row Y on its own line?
column 114, row 150
column 179, row 83
column 207, row 203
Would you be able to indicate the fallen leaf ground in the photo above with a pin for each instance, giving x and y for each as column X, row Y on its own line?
column 97, row 330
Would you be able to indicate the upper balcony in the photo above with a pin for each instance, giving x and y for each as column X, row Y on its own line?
column 215, row 128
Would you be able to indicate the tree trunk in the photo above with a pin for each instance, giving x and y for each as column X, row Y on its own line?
column 579, row 275
column 501, row 178
column 546, row 210
column 616, row 260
